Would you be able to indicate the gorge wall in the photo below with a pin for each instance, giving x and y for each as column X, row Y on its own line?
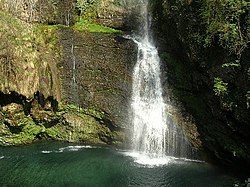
column 205, row 48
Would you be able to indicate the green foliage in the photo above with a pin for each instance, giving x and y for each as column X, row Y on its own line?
column 95, row 113
column 27, row 135
column 86, row 111
column 236, row 65
column 228, row 21
column 46, row 34
column 87, row 26
column 220, row 87
column 25, row 121
column 31, row 129
column 248, row 95
column 52, row 132
column 69, row 107
column 87, row 8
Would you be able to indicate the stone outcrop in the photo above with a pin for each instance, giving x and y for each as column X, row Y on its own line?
column 102, row 77
column 28, row 59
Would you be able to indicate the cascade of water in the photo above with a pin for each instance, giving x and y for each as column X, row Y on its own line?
column 147, row 103
column 154, row 134
column 75, row 94
column 31, row 10
column 74, row 64
column 67, row 19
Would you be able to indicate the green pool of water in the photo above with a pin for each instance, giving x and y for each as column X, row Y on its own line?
column 57, row 164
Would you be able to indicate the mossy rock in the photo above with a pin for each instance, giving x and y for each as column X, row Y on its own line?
column 26, row 132
column 88, row 26
column 79, row 128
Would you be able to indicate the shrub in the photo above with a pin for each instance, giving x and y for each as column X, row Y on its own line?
column 220, row 87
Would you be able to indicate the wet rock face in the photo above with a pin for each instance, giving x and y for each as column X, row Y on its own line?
column 102, row 77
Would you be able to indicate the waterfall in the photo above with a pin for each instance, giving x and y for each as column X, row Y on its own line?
column 154, row 133
column 74, row 87
column 74, row 64
column 67, row 19
column 148, row 108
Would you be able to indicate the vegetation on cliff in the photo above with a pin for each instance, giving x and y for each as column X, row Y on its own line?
column 88, row 26
column 206, row 48
column 69, row 123
column 28, row 56
column 30, row 85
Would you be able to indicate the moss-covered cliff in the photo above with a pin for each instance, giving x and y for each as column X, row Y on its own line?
column 63, row 76
column 205, row 46
column 28, row 58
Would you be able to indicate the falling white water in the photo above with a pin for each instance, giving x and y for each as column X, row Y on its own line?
column 154, row 134
column 74, row 87
column 74, row 64
column 67, row 19
column 147, row 102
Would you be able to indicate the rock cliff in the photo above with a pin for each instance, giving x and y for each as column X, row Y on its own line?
column 63, row 76
column 207, row 72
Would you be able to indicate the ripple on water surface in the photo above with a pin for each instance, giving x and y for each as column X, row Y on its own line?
column 57, row 165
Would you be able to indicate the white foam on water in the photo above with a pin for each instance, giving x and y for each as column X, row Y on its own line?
column 75, row 148
column 191, row 160
column 151, row 161
column 46, row 152
column 145, row 160
column 69, row 148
